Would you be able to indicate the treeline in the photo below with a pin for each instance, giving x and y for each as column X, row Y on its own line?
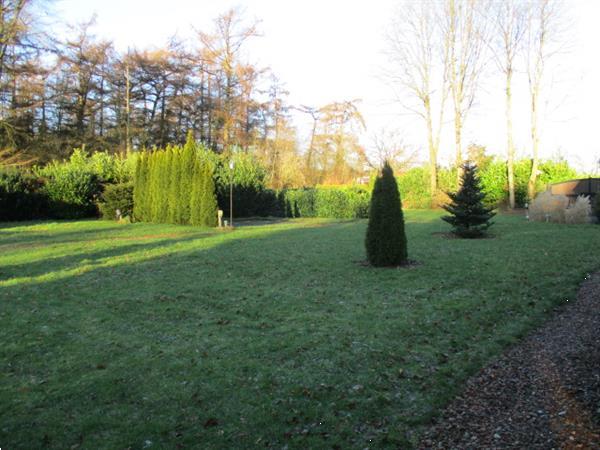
column 57, row 96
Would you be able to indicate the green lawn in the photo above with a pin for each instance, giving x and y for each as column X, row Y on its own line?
column 160, row 336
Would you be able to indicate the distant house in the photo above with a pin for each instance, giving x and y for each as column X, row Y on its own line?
column 574, row 188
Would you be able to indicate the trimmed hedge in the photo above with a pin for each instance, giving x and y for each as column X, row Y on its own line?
column 175, row 185
column 20, row 196
column 339, row 202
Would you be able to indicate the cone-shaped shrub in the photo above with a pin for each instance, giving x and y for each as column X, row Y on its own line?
column 386, row 239
column 469, row 217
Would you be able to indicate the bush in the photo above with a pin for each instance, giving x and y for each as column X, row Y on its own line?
column 596, row 207
column 117, row 197
column 250, row 194
column 386, row 240
column 414, row 185
column 72, row 192
column 20, row 196
column 338, row 202
column 175, row 185
column 580, row 211
column 300, row 202
column 548, row 208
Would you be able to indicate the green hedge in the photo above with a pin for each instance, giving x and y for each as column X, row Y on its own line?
column 20, row 196
column 341, row 202
column 175, row 185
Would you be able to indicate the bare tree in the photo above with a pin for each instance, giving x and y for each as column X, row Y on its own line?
column 223, row 48
column 509, row 25
column 419, row 54
column 388, row 146
column 465, row 34
column 544, row 28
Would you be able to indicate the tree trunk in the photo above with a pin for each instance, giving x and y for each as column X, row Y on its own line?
column 458, row 143
column 432, row 153
column 509, row 142
column 535, row 145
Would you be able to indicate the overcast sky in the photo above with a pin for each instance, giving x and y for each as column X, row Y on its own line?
column 333, row 50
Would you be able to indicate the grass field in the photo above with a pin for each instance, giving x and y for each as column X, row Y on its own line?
column 159, row 336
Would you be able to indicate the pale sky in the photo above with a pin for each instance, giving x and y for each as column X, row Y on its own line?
column 333, row 50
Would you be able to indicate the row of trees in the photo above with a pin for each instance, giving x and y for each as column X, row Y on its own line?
column 56, row 96
column 440, row 50
column 175, row 185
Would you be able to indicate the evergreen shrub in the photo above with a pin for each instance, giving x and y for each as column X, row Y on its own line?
column 116, row 197
column 385, row 241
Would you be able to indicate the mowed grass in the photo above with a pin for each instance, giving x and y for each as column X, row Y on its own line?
column 158, row 336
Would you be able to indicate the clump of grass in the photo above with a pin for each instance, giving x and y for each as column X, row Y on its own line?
column 548, row 208
column 580, row 211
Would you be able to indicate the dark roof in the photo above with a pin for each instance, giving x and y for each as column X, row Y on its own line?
column 583, row 186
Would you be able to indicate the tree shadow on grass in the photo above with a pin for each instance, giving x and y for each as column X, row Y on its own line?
column 51, row 264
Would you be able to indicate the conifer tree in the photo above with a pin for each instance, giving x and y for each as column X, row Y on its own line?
column 174, row 191
column 208, row 201
column 187, row 174
column 469, row 218
column 139, row 188
column 386, row 240
column 196, row 192
column 153, row 186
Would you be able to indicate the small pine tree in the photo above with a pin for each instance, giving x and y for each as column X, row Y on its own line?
column 469, row 217
column 386, row 240
column 208, row 201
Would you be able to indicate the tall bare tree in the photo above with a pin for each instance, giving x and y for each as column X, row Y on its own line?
column 465, row 30
column 420, row 65
column 509, row 22
column 545, row 24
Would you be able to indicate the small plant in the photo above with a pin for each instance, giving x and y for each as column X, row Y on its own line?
column 386, row 239
column 117, row 197
column 580, row 211
column 548, row 208
column 469, row 218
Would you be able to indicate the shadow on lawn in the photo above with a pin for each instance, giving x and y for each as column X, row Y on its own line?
column 48, row 265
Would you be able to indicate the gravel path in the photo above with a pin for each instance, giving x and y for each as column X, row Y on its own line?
column 544, row 393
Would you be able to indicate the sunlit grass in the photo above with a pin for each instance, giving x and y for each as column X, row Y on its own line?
column 155, row 336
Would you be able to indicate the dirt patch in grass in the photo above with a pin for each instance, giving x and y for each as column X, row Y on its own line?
column 543, row 393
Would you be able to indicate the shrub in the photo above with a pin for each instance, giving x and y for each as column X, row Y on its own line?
column 596, row 208
column 548, row 208
column 72, row 192
column 469, row 218
column 386, row 240
column 116, row 197
column 414, row 185
column 300, row 202
column 171, row 186
column 580, row 211
column 20, row 196
column 208, row 199
column 339, row 202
